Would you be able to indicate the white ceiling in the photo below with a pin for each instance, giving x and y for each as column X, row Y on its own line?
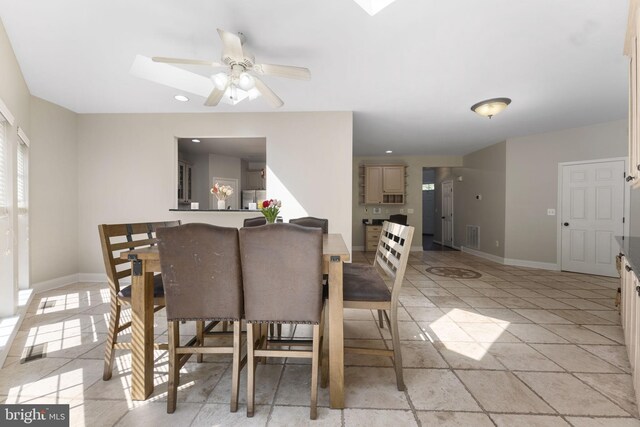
column 409, row 73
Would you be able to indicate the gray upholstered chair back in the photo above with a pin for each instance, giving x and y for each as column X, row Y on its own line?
column 254, row 222
column 309, row 221
column 201, row 272
column 282, row 273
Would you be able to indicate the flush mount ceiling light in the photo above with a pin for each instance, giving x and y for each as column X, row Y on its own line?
column 490, row 107
column 197, row 141
column 388, row 151
column 181, row 98
column 373, row 6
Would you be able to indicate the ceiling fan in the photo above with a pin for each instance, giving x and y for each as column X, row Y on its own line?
column 237, row 83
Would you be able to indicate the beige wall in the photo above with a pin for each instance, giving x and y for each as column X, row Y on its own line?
column 413, row 186
column 483, row 174
column 127, row 168
column 532, row 183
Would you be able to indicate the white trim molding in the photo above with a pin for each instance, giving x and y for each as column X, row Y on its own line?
column 23, row 137
column 11, row 325
column 4, row 112
column 515, row 262
column 58, row 282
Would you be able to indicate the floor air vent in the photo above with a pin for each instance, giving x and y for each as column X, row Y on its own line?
column 473, row 237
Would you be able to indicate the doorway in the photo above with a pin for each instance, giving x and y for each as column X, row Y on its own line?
column 592, row 210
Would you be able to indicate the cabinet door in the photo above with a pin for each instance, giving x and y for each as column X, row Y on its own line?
column 373, row 184
column 181, row 172
column 188, row 184
column 393, row 179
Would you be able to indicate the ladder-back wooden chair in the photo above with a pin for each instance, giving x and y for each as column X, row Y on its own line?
column 364, row 287
column 116, row 238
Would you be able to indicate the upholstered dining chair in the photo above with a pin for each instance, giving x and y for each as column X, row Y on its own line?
column 310, row 221
column 115, row 238
column 202, row 279
column 281, row 262
column 254, row 222
column 365, row 289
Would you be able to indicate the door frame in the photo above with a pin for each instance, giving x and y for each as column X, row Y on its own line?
column 626, row 209
column 453, row 240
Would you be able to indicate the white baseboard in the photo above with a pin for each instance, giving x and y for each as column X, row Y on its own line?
column 438, row 242
column 514, row 262
column 417, row 249
column 55, row 283
column 532, row 264
column 357, row 248
column 92, row 277
column 11, row 325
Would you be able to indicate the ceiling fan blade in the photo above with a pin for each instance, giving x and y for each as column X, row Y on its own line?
column 269, row 95
column 214, row 97
column 231, row 45
column 171, row 76
column 186, row 61
column 286, row 71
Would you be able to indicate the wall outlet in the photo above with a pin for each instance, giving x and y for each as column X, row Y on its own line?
column 497, row 243
column 377, row 211
column 401, row 211
column 409, row 211
column 551, row 212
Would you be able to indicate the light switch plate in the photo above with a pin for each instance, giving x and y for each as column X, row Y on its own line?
column 551, row 212
column 401, row 210
column 377, row 210
column 409, row 211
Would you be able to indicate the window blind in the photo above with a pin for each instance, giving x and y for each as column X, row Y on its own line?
column 4, row 171
column 22, row 177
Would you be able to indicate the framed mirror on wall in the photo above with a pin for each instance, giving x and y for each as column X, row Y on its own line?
column 238, row 162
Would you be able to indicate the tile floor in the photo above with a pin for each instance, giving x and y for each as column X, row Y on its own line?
column 516, row 347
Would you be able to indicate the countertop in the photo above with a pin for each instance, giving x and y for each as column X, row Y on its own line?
column 630, row 247
column 214, row 210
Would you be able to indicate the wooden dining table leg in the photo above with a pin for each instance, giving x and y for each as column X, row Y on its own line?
column 336, row 334
column 141, row 333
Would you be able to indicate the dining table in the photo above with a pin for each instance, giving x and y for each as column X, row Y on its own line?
column 146, row 261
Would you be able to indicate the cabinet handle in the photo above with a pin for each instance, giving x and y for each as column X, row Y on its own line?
column 630, row 178
column 626, row 267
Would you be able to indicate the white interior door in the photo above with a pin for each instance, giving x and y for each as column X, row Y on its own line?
column 447, row 213
column 592, row 215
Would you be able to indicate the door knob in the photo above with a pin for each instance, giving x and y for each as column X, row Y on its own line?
column 566, row 224
column 442, row 217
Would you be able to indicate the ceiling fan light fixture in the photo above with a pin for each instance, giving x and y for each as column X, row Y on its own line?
column 253, row 93
column 246, row 81
column 490, row 107
column 220, row 80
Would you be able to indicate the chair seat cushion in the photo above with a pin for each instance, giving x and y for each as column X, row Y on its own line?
column 158, row 289
column 363, row 283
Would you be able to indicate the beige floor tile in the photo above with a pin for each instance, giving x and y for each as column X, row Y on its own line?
column 582, row 304
column 468, row 315
column 461, row 355
column 372, row 388
column 574, row 359
column 521, row 357
column 444, row 330
column 617, row 387
column 603, row 422
column 568, row 395
column 352, row 359
column 85, row 412
column 355, row 329
column 420, row 354
column 487, row 332
column 614, row 354
column 421, row 314
column 217, row 414
column 580, row 317
column 514, row 302
column 503, row 315
column 577, row 334
column 287, row 416
column 531, row 333
column 540, row 316
column 435, row 292
column 155, row 414
column 267, row 377
column 547, row 303
column 614, row 333
column 197, row 381
column 295, row 387
column 378, row 418
column 446, row 302
column 355, row 314
column 510, row 420
column 438, row 389
column 416, row 301
column 409, row 331
column 502, row 392
column 454, row 419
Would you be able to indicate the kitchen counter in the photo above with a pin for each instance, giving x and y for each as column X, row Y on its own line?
column 214, row 210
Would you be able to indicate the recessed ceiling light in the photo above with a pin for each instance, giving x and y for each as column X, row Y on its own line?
column 197, row 141
column 388, row 151
column 181, row 98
